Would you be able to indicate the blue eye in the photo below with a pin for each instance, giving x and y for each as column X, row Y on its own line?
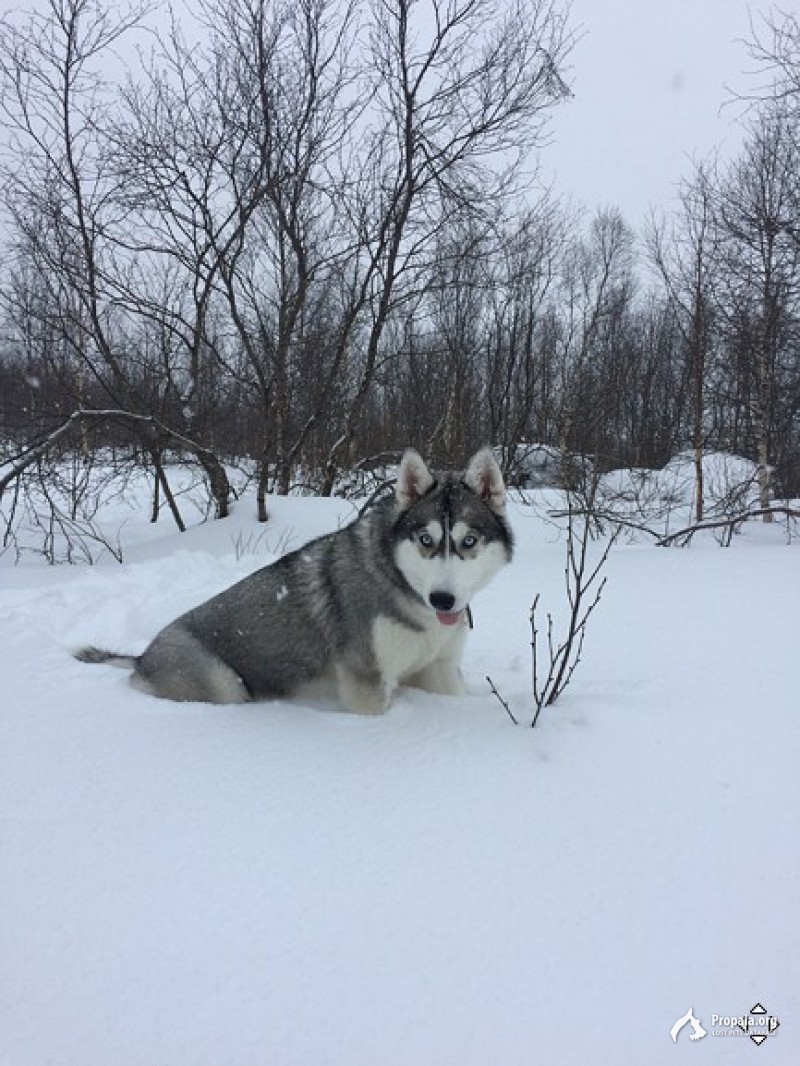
column 469, row 542
column 425, row 540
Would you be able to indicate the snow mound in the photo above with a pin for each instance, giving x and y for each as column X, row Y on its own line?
column 730, row 487
column 729, row 481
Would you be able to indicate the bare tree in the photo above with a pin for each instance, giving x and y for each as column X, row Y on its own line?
column 775, row 44
column 685, row 257
column 521, row 372
column 761, row 260
column 63, row 192
column 239, row 196
column 460, row 92
column 596, row 284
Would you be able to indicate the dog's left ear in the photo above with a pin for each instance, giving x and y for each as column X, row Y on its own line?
column 485, row 479
column 413, row 479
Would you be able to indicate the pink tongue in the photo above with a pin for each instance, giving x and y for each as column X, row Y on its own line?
column 449, row 618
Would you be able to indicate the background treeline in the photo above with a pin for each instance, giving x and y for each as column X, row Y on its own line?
column 303, row 232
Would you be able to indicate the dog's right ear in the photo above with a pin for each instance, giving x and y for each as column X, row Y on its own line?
column 485, row 478
column 413, row 479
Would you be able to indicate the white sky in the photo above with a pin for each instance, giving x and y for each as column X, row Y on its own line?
column 650, row 80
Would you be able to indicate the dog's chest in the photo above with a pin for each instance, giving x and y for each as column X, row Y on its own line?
column 401, row 652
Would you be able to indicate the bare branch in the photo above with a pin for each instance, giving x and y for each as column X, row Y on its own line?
column 580, row 578
column 503, row 702
column 32, row 454
column 731, row 522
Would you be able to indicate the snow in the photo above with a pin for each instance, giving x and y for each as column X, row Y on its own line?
column 279, row 885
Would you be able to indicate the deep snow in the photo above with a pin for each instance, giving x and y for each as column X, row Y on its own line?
column 279, row 885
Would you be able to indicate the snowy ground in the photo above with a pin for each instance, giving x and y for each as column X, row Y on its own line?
column 277, row 885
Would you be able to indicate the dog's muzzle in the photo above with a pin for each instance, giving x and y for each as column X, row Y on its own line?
column 443, row 603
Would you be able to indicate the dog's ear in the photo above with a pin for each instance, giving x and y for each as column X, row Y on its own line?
column 484, row 477
column 413, row 479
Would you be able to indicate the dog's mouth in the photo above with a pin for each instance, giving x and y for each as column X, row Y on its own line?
column 449, row 618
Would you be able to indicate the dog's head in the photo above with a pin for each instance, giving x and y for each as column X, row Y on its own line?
column 452, row 535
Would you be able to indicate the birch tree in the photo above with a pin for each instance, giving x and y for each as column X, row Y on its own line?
column 684, row 254
column 761, row 260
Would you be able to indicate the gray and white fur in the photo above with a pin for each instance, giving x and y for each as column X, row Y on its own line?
column 352, row 614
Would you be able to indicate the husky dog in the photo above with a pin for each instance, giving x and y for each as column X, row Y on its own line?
column 383, row 601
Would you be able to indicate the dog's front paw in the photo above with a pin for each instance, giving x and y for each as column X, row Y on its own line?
column 443, row 678
column 362, row 696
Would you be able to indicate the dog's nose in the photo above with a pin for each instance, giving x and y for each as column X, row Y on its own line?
column 442, row 601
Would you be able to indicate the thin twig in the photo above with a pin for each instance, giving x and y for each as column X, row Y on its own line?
column 502, row 701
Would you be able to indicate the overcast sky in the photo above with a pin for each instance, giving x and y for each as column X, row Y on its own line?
column 650, row 79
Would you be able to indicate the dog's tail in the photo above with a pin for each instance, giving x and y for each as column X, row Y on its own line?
column 91, row 654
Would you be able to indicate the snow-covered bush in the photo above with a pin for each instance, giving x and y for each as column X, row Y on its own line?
column 541, row 466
